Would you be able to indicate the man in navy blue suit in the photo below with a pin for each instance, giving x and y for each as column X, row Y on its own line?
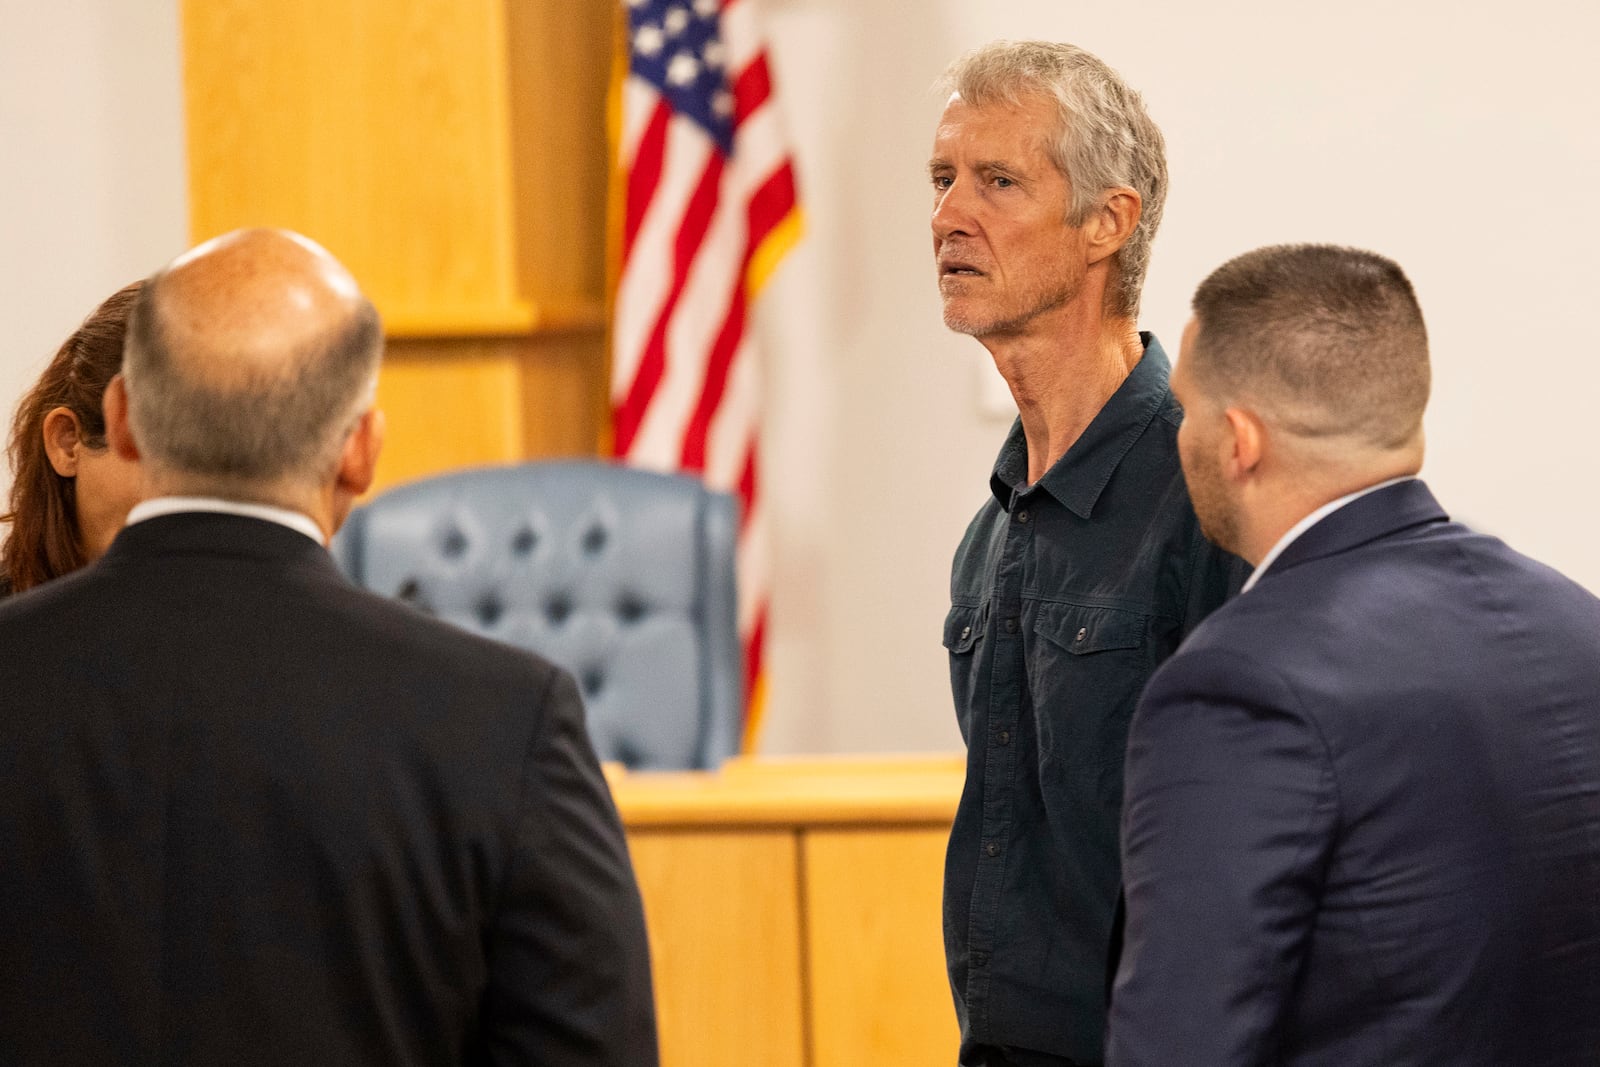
column 1362, row 810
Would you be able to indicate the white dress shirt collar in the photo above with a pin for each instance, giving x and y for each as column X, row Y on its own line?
column 1309, row 521
column 174, row 505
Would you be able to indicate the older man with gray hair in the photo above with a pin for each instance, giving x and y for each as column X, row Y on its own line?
column 250, row 814
column 1085, row 565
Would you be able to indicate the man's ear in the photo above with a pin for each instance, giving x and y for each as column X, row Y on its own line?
column 1245, row 443
column 114, row 406
column 358, row 463
column 62, row 436
column 1113, row 222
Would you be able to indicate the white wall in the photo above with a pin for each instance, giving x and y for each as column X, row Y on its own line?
column 1461, row 138
column 91, row 167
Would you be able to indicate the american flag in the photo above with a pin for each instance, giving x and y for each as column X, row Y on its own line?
column 706, row 207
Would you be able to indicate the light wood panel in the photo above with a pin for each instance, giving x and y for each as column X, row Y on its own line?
column 381, row 128
column 758, row 792
column 453, row 403
column 879, row 993
column 725, row 946
column 865, row 851
column 559, row 78
column 565, row 405
column 449, row 404
column 454, row 156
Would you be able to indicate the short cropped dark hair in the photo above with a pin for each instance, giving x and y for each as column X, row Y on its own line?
column 1328, row 341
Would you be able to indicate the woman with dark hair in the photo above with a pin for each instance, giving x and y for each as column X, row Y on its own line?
column 70, row 493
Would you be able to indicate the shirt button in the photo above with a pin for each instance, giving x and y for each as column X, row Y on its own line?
column 1082, row 633
column 1011, row 625
column 1022, row 516
column 980, row 959
column 1005, row 737
column 991, row 849
column 966, row 631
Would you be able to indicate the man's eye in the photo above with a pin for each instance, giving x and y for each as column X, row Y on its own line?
column 941, row 181
column 1003, row 182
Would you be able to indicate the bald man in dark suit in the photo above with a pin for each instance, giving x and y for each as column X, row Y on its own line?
column 250, row 814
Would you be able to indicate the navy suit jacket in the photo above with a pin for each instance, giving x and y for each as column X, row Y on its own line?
column 250, row 814
column 1362, row 814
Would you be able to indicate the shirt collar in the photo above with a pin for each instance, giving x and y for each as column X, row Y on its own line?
column 1078, row 477
column 173, row 505
column 1309, row 521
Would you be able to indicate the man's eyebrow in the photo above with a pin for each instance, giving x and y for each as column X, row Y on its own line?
column 938, row 164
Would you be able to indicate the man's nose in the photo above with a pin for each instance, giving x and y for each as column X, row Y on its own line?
column 952, row 211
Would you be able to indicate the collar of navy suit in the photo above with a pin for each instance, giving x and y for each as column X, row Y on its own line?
column 1380, row 513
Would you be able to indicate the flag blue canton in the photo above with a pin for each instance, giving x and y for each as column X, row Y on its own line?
column 675, row 46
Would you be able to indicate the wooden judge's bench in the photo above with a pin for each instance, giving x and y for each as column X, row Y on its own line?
column 794, row 909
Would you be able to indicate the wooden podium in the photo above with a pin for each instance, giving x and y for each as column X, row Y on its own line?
column 794, row 909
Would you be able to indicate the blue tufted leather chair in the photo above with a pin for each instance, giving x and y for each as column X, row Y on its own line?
column 623, row 576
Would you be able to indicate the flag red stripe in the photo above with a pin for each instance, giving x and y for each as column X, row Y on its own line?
column 646, row 173
column 751, row 89
column 747, row 487
column 697, row 217
column 770, row 205
column 752, row 652
column 718, row 362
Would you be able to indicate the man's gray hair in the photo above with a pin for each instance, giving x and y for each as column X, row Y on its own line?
column 1104, row 138
column 1328, row 341
column 288, row 424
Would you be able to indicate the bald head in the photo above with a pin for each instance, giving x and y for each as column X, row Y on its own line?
column 252, row 305
column 248, row 359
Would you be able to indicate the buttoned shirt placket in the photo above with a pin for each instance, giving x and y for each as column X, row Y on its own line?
column 1009, row 700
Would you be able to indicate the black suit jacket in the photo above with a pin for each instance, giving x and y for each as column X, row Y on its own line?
column 1362, row 820
column 251, row 814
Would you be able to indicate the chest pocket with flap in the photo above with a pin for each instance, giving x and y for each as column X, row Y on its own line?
column 964, row 629
column 1086, row 668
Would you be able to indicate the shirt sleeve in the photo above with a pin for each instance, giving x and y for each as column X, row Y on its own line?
column 1228, row 822
column 569, row 967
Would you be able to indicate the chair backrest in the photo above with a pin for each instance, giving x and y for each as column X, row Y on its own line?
column 625, row 577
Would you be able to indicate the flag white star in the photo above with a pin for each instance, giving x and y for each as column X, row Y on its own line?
column 722, row 104
column 705, row 8
column 682, row 70
column 676, row 22
column 713, row 54
column 649, row 41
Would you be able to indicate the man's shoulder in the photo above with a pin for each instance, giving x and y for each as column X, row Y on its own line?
column 1526, row 594
column 972, row 553
column 414, row 640
column 308, row 612
column 1428, row 600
